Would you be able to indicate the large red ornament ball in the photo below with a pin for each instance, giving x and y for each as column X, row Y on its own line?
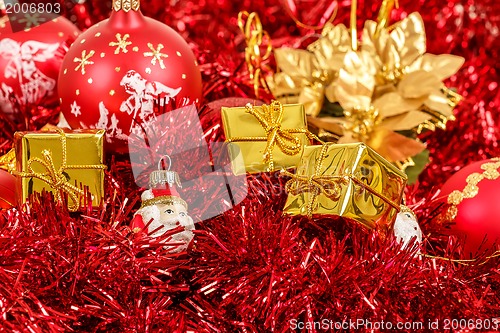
column 30, row 59
column 475, row 190
column 7, row 190
column 115, row 72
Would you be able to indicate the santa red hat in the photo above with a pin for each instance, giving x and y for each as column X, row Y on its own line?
column 167, row 196
column 150, row 199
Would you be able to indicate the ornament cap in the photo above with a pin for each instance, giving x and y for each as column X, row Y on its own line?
column 162, row 177
column 126, row 5
column 406, row 209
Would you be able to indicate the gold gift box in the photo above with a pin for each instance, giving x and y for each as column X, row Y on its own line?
column 356, row 183
column 69, row 161
column 247, row 138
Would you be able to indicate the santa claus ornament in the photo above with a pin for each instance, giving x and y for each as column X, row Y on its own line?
column 406, row 228
column 115, row 71
column 163, row 210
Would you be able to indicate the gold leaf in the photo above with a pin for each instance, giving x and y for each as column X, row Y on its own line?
column 330, row 48
column 392, row 104
column 295, row 63
column 408, row 39
column 282, row 84
column 406, row 121
column 330, row 92
column 393, row 146
column 442, row 66
column 356, row 81
column 437, row 101
column 330, row 124
column 374, row 45
column 418, row 84
column 312, row 99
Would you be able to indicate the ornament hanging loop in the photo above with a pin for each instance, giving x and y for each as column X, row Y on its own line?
column 163, row 159
column 162, row 177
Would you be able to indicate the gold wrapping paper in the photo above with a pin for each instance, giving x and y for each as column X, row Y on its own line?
column 349, row 180
column 265, row 138
column 60, row 162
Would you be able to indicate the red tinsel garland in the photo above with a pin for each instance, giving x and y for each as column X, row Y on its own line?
column 251, row 269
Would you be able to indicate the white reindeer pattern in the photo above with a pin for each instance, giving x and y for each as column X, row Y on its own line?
column 143, row 93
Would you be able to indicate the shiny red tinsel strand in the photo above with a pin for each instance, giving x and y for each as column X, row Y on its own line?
column 251, row 269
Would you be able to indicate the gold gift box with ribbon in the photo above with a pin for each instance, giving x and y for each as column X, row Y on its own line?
column 348, row 180
column 265, row 138
column 64, row 163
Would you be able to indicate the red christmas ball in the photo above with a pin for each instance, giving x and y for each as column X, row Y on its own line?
column 7, row 190
column 115, row 72
column 474, row 196
column 31, row 53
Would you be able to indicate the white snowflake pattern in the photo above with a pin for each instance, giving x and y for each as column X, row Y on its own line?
column 32, row 20
column 75, row 109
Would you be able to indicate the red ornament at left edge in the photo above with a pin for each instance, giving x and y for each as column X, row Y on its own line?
column 32, row 48
column 7, row 190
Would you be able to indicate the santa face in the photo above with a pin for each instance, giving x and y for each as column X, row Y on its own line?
column 165, row 217
column 175, row 215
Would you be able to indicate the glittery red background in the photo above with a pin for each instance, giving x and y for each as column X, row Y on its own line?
column 250, row 269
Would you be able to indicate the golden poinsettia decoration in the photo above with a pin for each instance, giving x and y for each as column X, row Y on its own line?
column 387, row 85
column 374, row 121
column 406, row 74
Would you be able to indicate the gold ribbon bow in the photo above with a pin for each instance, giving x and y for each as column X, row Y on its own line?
column 255, row 37
column 55, row 177
column 328, row 185
column 270, row 119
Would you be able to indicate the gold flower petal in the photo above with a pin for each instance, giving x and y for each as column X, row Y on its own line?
column 282, row 84
column 295, row 63
column 442, row 66
column 361, row 65
column 346, row 96
column 356, row 81
column 339, row 37
column 438, row 101
column 393, row 146
column 406, row 121
column 418, row 84
column 374, row 45
column 382, row 89
column 330, row 92
column 312, row 99
column 329, row 50
column 408, row 39
column 393, row 104
column 330, row 124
